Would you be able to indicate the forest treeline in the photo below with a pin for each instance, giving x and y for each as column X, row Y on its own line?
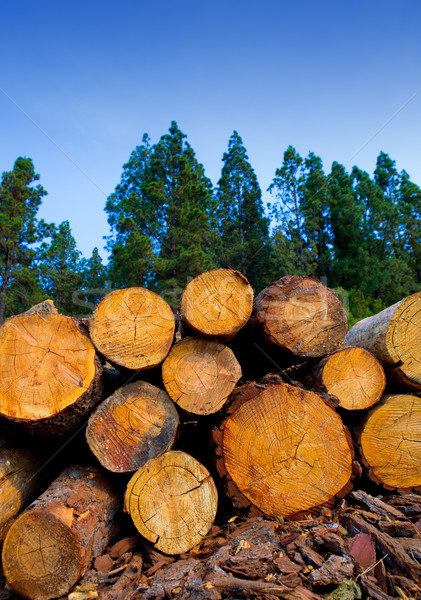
column 357, row 233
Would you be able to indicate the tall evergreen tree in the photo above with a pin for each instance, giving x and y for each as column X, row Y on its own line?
column 94, row 281
column 243, row 227
column 19, row 230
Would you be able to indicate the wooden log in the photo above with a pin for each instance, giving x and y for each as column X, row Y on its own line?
column 353, row 375
column 217, row 303
column 172, row 500
column 51, row 545
column 133, row 328
column 18, row 481
column 301, row 316
column 200, row 374
column 49, row 371
column 390, row 441
column 393, row 336
column 138, row 422
column 284, row 449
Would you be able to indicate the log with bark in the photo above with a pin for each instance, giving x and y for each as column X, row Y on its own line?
column 217, row 304
column 56, row 538
column 353, row 375
column 137, row 423
column 393, row 336
column 172, row 500
column 301, row 316
column 200, row 374
column 133, row 328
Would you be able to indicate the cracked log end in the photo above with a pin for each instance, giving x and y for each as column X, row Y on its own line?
column 301, row 316
column 217, row 303
column 46, row 365
column 199, row 375
column 172, row 501
column 137, row 423
column 54, row 541
column 353, row 375
column 133, row 328
column 286, row 450
column 391, row 441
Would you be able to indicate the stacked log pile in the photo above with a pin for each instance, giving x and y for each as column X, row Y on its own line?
column 192, row 438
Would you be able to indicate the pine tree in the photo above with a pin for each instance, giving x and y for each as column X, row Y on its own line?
column 93, row 281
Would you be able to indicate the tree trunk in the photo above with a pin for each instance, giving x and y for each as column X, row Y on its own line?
column 393, row 336
column 51, row 545
column 217, row 303
column 138, row 422
column 50, row 375
column 199, row 375
column 172, row 501
column 390, row 442
column 18, row 481
column 133, row 328
column 353, row 375
column 301, row 316
column 284, row 449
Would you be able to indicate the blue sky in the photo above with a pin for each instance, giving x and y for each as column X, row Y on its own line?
column 94, row 76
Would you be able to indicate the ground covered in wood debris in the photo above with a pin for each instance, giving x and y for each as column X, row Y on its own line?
column 368, row 547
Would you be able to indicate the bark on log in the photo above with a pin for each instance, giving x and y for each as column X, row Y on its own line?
column 390, row 441
column 51, row 545
column 200, row 374
column 137, row 423
column 285, row 450
column 133, row 328
column 393, row 336
column 18, row 481
column 49, row 372
column 172, row 501
column 353, row 375
column 301, row 316
column 217, row 303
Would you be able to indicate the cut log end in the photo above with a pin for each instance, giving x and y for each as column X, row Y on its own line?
column 390, row 441
column 217, row 303
column 172, row 501
column 199, row 375
column 403, row 337
column 136, row 423
column 133, row 328
column 46, row 365
column 286, row 450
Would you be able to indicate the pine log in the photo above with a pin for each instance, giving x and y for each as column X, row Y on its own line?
column 200, row 374
column 49, row 372
column 138, row 422
column 172, row 501
column 393, row 336
column 390, row 441
column 301, row 316
column 217, row 303
column 53, row 542
column 133, row 328
column 353, row 375
column 284, row 449
column 18, row 481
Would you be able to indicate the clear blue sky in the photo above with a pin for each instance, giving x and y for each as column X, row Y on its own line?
column 94, row 76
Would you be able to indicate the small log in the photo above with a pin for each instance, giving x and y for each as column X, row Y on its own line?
column 393, row 337
column 200, row 374
column 353, row 375
column 18, row 480
column 133, row 328
column 217, row 303
column 301, row 316
column 172, row 501
column 49, row 372
column 138, row 422
column 51, row 545
column 285, row 449
column 390, row 441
